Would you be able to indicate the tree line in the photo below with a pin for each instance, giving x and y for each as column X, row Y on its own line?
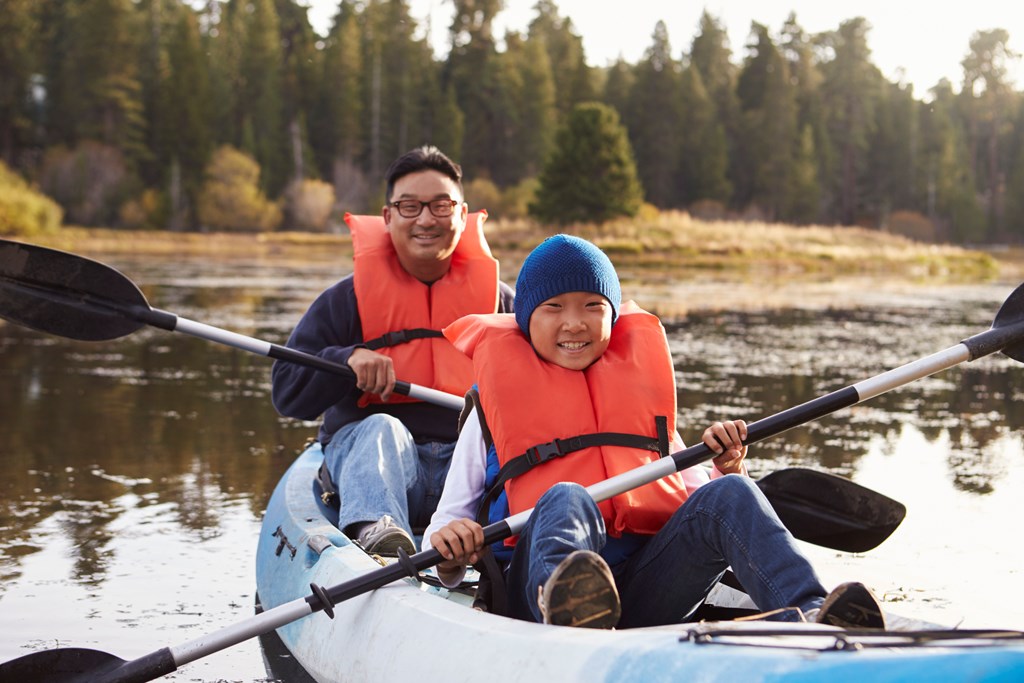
column 237, row 114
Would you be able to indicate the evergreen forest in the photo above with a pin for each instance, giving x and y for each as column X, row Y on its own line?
column 237, row 115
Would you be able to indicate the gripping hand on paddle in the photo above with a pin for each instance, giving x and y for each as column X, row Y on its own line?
column 460, row 543
column 375, row 372
column 726, row 440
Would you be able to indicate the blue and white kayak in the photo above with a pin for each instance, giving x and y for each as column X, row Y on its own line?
column 411, row 630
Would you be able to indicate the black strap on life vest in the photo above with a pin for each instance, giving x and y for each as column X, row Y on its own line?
column 491, row 595
column 542, row 453
column 401, row 337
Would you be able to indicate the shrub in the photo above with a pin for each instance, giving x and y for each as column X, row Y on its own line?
column 231, row 199
column 515, row 201
column 148, row 211
column 482, row 193
column 23, row 210
column 913, row 225
column 87, row 181
column 308, row 205
column 708, row 210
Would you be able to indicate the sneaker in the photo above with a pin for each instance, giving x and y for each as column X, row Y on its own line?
column 384, row 537
column 851, row 605
column 580, row 592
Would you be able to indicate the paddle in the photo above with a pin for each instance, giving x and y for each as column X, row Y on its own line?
column 75, row 664
column 75, row 297
column 72, row 296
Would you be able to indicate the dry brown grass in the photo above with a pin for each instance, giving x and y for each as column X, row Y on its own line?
column 658, row 240
column 676, row 239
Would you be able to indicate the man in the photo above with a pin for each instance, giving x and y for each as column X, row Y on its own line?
column 421, row 268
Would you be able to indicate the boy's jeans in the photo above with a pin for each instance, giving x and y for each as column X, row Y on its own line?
column 380, row 470
column 725, row 523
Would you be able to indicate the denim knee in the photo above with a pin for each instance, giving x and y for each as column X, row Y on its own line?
column 728, row 492
column 567, row 495
column 382, row 422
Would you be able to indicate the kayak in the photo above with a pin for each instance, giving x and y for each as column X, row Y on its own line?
column 412, row 628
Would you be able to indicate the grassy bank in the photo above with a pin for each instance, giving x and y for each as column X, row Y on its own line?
column 667, row 240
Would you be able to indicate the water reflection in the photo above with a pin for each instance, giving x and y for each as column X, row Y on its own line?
column 135, row 471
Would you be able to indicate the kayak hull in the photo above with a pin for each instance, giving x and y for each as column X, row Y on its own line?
column 410, row 629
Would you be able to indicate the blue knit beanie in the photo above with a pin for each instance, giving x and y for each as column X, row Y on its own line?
column 561, row 264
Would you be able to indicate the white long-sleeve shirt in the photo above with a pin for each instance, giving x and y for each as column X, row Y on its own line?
column 465, row 485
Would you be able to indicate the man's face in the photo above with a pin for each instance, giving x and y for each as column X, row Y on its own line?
column 425, row 243
column 572, row 330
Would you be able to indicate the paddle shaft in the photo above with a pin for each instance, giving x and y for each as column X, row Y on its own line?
column 975, row 347
column 174, row 323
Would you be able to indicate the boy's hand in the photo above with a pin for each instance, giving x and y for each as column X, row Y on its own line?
column 726, row 439
column 459, row 542
column 375, row 372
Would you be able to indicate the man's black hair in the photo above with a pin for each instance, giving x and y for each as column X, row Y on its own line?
column 425, row 158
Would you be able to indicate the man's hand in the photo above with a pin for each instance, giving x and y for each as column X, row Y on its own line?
column 726, row 439
column 375, row 373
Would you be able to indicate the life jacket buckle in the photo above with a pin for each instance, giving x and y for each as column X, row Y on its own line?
column 395, row 338
column 544, row 452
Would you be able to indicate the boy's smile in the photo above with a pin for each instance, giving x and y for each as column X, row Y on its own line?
column 572, row 330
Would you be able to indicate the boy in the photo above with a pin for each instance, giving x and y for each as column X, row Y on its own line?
column 577, row 364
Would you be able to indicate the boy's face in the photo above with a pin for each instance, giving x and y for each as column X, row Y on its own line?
column 572, row 330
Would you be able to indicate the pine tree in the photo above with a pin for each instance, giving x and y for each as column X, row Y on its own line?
column 711, row 54
column 18, row 40
column 530, row 110
column 850, row 92
column 703, row 156
column 572, row 77
column 186, row 118
column 814, row 155
column 768, row 127
column 261, row 102
column 653, row 121
column 987, row 98
column 474, row 70
column 338, row 122
column 99, row 71
column 591, row 175
column 619, row 82
column 300, row 76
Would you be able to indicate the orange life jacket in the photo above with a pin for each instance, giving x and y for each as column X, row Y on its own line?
column 393, row 301
column 528, row 401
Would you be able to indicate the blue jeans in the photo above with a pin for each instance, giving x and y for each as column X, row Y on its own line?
column 378, row 469
column 725, row 523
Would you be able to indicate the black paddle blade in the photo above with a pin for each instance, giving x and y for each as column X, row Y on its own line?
column 1011, row 313
column 65, row 665
column 831, row 511
column 64, row 294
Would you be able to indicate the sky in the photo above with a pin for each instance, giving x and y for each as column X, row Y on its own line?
column 912, row 41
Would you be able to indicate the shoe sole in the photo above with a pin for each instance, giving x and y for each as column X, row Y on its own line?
column 582, row 593
column 389, row 543
column 852, row 607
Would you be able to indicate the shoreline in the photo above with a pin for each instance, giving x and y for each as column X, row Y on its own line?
column 648, row 254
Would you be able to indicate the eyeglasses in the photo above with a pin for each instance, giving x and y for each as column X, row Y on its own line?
column 439, row 208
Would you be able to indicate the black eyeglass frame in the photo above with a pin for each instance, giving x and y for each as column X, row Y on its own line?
column 438, row 203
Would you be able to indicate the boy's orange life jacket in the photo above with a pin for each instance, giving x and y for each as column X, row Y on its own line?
column 528, row 401
column 396, row 307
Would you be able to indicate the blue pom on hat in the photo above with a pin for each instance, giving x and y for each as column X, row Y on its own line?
column 560, row 264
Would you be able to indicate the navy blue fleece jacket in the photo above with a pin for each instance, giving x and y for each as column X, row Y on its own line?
column 331, row 329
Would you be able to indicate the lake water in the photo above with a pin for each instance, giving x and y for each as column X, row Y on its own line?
column 135, row 471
